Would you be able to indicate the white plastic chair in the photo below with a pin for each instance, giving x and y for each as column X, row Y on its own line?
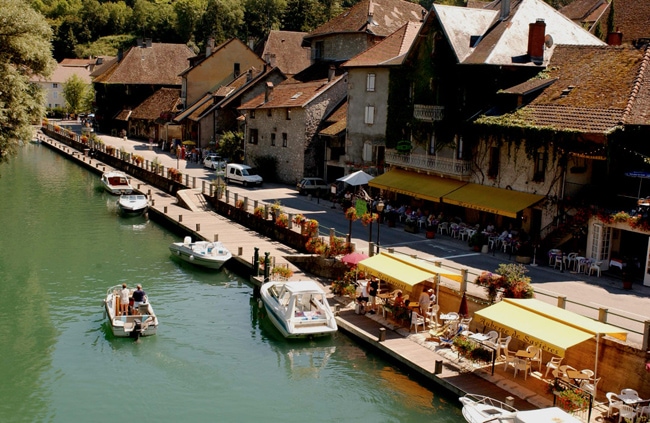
column 455, row 230
column 537, row 357
column 614, row 402
column 509, row 357
column 586, row 385
column 432, row 314
column 553, row 364
column 588, row 372
column 493, row 337
column 629, row 391
column 503, row 344
column 570, row 260
column 595, row 267
column 644, row 411
column 417, row 320
column 443, row 227
column 523, row 365
column 626, row 412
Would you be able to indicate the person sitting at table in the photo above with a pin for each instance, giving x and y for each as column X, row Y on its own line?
column 399, row 300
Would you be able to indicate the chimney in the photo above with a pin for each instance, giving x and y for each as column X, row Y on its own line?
column 120, row 55
column 147, row 42
column 251, row 43
column 505, row 10
column 209, row 47
column 268, row 94
column 330, row 73
column 249, row 75
column 139, row 42
column 536, row 34
column 615, row 38
column 371, row 11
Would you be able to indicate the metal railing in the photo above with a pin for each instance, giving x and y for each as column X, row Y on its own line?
column 431, row 163
column 428, row 113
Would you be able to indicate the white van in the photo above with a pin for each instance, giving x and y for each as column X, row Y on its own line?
column 243, row 174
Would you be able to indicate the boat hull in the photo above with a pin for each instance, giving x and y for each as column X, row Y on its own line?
column 293, row 319
column 131, row 326
column 116, row 183
column 133, row 205
column 211, row 255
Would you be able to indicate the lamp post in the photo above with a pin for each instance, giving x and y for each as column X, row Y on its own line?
column 380, row 209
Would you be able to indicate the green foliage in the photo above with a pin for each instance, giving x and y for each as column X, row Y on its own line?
column 230, row 146
column 509, row 280
column 78, row 95
column 105, row 46
column 261, row 16
column 25, row 51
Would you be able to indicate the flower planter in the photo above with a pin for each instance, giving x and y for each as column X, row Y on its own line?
column 430, row 234
column 411, row 228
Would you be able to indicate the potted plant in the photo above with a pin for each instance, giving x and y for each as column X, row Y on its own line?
column 524, row 253
column 477, row 241
column 259, row 212
column 430, row 232
column 391, row 218
column 411, row 225
column 282, row 220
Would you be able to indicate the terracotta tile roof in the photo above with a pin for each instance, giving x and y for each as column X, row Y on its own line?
column 77, row 62
column 159, row 64
column 196, row 114
column 578, row 10
column 598, row 88
column 284, row 49
column 632, row 18
column 63, row 73
column 291, row 94
column 529, row 86
column 337, row 121
column 387, row 17
column 185, row 114
column 107, row 63
column 389, row 49
column 123, row 114
column 477, row 4
column 163, row 100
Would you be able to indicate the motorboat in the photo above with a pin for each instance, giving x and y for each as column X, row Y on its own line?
column 212, row 255
column 133, row 204
column 140, row 322
column 116, row 182
column 482, row 409
column 298, row 309
column 550, row 414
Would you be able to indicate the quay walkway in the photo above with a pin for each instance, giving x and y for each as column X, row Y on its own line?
column 412, row 351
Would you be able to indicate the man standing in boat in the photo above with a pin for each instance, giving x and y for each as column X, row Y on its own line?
column 138, row 297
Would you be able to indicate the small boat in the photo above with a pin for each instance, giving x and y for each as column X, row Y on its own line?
column 143, row 323
column 116, row 182
column 133, row 204
column 482, row 409
column 550, row 414
column 298, row 309
column 212, row 255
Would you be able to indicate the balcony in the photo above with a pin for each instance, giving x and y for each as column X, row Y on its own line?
column 428, row 113
column 429, row 163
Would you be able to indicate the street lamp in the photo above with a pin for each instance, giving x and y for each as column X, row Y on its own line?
column 380, row 209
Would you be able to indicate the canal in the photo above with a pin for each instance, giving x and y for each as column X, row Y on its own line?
column 215, row 357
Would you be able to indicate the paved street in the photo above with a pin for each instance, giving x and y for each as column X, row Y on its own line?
column 582, row 291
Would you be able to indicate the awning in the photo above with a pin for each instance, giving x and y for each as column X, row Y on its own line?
column 534, row 322
column 490, row 199
column 414, row 184
column 403, row 272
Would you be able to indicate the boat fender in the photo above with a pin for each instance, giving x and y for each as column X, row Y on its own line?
column 178, row 253
column 191, row 258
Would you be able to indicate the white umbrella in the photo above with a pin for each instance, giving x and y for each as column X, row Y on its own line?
column 357, row 178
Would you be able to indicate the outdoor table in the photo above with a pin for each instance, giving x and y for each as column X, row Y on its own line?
column 577, row 376
column 480, row 337
column 413, row 305
column 385, row 297
column 616, row 263
column 525, row 354
column 448, row 317
column 630, row 399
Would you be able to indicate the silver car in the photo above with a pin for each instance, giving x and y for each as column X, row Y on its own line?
column 311, row 185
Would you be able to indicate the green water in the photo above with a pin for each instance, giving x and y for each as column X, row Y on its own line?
column 215, row 357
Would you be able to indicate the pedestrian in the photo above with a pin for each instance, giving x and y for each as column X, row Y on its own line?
column 424, row 301
column 372, row 294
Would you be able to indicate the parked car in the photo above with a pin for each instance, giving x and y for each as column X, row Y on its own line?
column 242, row 174
column 311, row 185
column 214, row 161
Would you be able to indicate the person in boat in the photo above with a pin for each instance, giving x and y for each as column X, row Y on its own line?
column 124, row 300
column 138, row 297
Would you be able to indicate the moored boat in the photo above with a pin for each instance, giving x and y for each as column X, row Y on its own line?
column 298, row 309
column 140, row 322
column 212, row 255
column 482, row 409
column 116, row 182
column 133, row 204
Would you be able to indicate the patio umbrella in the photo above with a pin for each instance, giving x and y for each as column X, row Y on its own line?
column 463, row 311
column 353, row 258
column 357, row 178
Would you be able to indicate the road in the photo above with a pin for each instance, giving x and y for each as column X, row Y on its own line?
column 585, row 294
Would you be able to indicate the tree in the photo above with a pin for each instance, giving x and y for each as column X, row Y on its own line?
column 302, row 15
column 230, row 146
column 188, row 16
column 262, row 16
column 25, row 51
column 221, row 20
column 78, row 95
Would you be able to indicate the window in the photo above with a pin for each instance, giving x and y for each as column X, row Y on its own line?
column 269, row 112
column 370, row 82
column 252, row 136
column 288, row 114
column 319, row 50
column 252, row 114
column 55, row 95
column 370, row 115
column 540, row 166
column 55, row 85
column 284, row 139
column 493, row 169
column 236, row 69
column 272, row 139
column 459, row 147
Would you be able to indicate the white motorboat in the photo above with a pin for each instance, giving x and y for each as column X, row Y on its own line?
column 116, row 182
column 550, row 414
column 140, row 322
column 212, row 255
column 482, row 409
column 299, row 309
column 133, row 204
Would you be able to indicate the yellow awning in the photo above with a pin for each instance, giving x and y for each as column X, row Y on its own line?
column 490, row 199
column 403, row 272
column 537, row 323
column 414, row 184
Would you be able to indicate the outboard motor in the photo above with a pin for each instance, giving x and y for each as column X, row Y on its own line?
column 137, row 329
